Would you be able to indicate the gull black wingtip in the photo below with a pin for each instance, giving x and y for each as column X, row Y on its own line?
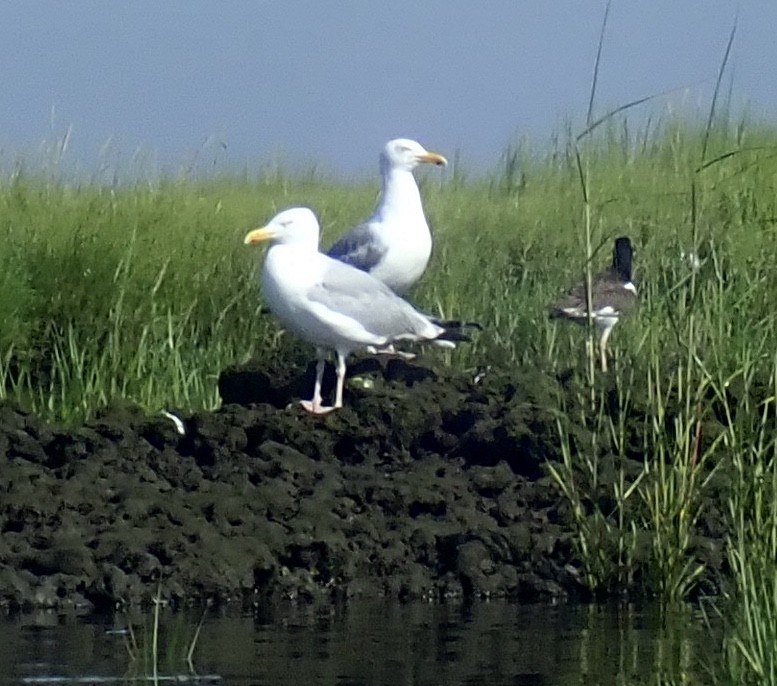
column 453, row 335
column 457, row 324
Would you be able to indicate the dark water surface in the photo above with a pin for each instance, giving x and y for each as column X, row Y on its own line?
column 373, row 643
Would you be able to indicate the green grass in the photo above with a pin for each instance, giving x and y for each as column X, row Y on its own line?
column 141, row 293
column 748, row 655
column 152, row 647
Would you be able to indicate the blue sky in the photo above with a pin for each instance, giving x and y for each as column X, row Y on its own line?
column 234, row 84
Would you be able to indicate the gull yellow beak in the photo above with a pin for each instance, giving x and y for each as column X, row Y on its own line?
column 434, row 158
column 259, row 235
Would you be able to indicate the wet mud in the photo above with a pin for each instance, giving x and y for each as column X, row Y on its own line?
column 427, row 484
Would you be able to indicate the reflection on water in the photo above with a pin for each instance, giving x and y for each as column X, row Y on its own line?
column 386, row 643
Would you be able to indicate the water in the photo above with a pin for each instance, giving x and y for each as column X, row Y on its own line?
column 364, row 643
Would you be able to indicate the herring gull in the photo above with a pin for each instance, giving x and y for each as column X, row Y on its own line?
column 330, row 304
column 394, row 244
column 613, row 294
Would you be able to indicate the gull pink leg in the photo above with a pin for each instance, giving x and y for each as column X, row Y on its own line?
column 340, row 379
column 314, row 406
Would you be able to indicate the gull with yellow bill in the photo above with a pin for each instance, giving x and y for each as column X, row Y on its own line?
column 394, row 245
column 330, row 304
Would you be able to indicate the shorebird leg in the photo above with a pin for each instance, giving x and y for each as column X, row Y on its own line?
column 603, row 346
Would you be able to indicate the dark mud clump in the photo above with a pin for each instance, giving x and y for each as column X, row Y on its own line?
column 427, row 484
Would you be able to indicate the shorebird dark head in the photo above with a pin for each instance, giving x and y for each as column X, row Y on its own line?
column 622, row 255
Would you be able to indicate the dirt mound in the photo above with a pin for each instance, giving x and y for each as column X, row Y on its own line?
column 426, row 484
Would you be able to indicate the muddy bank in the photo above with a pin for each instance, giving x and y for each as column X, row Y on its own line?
column 427, row 484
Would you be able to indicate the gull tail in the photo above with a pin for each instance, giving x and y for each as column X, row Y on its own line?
column 453, row 331
column 456, row 324
column 450, row 334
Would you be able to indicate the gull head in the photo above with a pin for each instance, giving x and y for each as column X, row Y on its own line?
column 295, row 226
column 406, row 154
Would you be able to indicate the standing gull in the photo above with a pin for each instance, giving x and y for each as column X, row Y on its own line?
column 332, row 305
column 394, row 244
column 613, row 294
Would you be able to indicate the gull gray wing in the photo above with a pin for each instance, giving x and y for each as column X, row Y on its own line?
column 359, row 248
column 370, row 302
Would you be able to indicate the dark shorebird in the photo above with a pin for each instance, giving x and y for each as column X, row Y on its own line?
column 613, row 294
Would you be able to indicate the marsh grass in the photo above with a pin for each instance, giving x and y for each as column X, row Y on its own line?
column 155, row 649
column 698, row 342
column 750, row 609
column 137, row 293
